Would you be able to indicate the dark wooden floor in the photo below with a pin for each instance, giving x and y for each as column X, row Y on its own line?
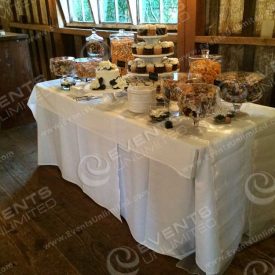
column 25, row 232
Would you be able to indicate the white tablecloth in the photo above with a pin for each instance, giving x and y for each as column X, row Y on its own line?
column 181, row 191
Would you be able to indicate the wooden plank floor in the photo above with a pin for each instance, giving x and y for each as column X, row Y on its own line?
column 47, row 208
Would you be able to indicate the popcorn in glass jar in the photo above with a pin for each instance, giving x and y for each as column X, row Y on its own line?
column 121, row 49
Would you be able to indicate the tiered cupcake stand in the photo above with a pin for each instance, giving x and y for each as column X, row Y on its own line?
column 152, row 58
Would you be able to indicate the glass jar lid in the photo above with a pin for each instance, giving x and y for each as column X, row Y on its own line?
column 122, row 34
column 205, row 55
column 94, row 37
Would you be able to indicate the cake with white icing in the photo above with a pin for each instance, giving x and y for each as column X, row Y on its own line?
column 106, row 71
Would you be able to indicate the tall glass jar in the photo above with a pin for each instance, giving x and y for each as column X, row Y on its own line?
column 121, row 49
column 208, row 66
column 95, row 45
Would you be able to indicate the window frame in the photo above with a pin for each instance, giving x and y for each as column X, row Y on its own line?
column 95, row 9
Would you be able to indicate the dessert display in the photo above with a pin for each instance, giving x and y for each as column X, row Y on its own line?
column 121, row 49
column 197, row 100
column 240, row 87
column 86, row 67
column 62, row 66
column 209, row 66
column 95, row 45
column 151, row 30
column 159, row 48
column 165, row 65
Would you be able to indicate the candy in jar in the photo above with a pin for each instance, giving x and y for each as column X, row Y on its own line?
column 121, row 49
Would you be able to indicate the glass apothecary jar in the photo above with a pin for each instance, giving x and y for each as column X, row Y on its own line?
column 95, row 45
column 85, row 67
column 121, row 49
column 208, row 66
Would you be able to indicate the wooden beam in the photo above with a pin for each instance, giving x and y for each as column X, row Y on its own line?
column 201, row 17
column 187, row 13
column 213, row 15
column 236, row 40
column 248, row 30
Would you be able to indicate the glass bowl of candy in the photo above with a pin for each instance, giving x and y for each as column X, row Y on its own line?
column 208, row 66
column 241, row 87
column 85, row 67
column 171, row 85
column 62, row 66
column 198, row 100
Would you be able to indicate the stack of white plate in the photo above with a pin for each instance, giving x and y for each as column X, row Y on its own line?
column 140, row 98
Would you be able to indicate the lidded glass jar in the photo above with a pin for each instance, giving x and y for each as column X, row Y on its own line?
column 95, row 45
column 208, row 66
column 121, row 49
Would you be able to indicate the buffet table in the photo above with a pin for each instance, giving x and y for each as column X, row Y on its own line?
column 182, row 190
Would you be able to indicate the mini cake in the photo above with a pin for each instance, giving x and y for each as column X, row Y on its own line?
column 168, row 67
column 161, row 29
column 150, row 68
column 158, row 49
column 152, row 30
column 159, row 68
column 140, row 48
column 148, row 49
column 107, row 71
column 171, row 46
column 165, row 47
column 134, row 48
column 141, row 68
column 142, row 30
column 130, row 63
column 133, row 67
column 175, row 63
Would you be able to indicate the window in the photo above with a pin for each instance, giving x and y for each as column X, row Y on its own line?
column 115, row 11
column 124, row 12
column 80, row 11
column 158, row 11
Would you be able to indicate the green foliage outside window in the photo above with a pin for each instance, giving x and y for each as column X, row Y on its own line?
column 118, row 11
column 80, row 11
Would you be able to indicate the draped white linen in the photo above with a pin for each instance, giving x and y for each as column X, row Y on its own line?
column 181, row 191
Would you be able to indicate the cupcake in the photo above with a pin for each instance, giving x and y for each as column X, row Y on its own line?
column 150, row 68
column 158, row 49
column 152, row 30
column 141, row 68
column 134, row 48
column 171, row 46
column 148, row 49
column 175, row 63
column 134, row 67
column 130, row 63
column 159, row 68
column 165, row 47
column 161, row 29
column 168, row 67
column 140, row 48
column 143, row 30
